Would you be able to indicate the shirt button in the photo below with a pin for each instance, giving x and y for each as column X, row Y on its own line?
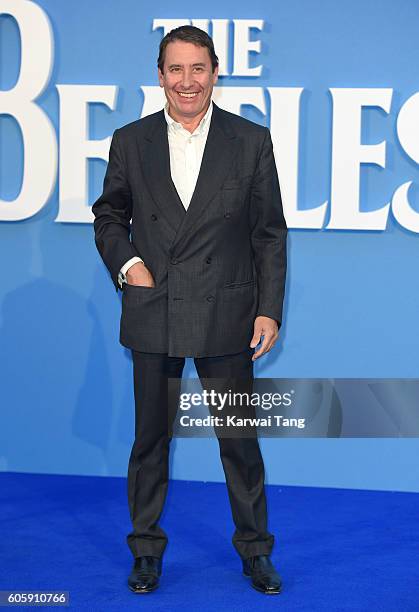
column 209, row 260
column 210, row 298
column 174, row 261
column 227, row 215
column 153, row 217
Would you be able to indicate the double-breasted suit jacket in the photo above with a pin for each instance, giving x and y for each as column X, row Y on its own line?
column 217, row 265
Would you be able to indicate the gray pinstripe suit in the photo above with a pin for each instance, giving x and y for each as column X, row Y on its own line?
column 217, row 265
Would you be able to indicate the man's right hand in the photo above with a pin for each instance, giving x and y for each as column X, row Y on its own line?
column 139, row 274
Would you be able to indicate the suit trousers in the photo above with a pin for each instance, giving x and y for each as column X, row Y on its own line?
column 148, row 468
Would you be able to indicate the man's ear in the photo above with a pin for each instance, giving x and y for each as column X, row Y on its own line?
column 161, row 77
column 215, row 76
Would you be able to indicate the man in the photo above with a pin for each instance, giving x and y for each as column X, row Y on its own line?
column 202, row 270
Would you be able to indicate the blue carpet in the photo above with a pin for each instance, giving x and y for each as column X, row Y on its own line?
column 336, row 549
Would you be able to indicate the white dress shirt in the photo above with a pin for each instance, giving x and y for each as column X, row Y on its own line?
column 186, row 151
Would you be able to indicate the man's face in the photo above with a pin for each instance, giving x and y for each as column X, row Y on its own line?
column 187, row 79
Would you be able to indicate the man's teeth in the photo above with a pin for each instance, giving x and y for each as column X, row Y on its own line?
column 188, row 95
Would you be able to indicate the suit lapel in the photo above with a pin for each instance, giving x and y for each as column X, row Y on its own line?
column 218, row 156
column 155, row 159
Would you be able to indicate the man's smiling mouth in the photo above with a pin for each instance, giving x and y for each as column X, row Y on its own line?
column 187, row 95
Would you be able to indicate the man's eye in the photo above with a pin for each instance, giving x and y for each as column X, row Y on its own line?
column 174, row 69
column 198, row 69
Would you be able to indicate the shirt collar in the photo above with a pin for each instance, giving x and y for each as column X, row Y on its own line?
column 175, row 125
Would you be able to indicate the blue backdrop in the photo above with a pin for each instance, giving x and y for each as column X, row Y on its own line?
column 352, row 296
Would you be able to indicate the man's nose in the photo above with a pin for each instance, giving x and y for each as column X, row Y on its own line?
column 187, row 79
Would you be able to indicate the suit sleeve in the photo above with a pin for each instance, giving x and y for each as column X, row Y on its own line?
column 113, row 212
column 268, row 234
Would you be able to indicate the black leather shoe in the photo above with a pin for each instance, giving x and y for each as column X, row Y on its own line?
column 263, row 574
column 145, row 574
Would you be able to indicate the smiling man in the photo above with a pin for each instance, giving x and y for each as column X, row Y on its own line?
column 191, row 228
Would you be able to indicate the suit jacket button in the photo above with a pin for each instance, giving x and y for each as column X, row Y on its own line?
column 153, row 217
column 210, row 298
column 174, row 261
column 209, row 260
column 227, row 215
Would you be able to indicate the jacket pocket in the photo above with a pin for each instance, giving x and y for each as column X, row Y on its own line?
column 238, row 284
column 234, row 193
column 237, row 183
column 127, row 287
column 133, row 295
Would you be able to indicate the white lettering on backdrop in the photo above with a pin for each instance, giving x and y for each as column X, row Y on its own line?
column 39, row 140
column 347, row 155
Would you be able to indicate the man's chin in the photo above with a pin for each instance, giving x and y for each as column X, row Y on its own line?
column 194, row 106
column 188, row 110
